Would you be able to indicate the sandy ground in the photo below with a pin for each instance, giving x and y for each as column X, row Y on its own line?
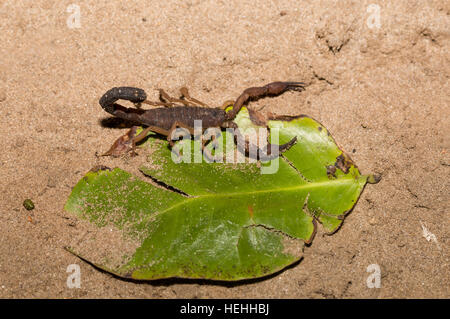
column 382, row 90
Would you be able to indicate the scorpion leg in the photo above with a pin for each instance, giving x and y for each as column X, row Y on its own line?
column 164, row 96
column 158, row 103
column 254, row 93
column 185, row 95
column 127, row 142
column 207, row 154
column 263, row 155
column 176, row 125
column 148, row 129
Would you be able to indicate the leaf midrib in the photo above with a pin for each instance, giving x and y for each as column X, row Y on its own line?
column 239, row 194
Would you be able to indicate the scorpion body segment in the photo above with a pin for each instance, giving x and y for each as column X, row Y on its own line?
column 166, row 117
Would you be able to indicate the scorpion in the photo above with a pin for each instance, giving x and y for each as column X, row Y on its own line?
column 171, row 115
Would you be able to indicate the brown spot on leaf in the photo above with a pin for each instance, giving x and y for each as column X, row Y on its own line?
column 250, row 211
column 343, row 162
column 374, row 178
column 331, row 171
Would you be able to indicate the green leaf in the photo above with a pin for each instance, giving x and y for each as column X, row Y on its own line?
column 217, row 221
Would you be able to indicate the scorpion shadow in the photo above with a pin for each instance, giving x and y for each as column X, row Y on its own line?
column 116, row 122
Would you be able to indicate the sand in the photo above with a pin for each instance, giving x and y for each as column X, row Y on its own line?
column 380, row 86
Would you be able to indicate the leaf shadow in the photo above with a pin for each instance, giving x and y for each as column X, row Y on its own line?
column 165, row 282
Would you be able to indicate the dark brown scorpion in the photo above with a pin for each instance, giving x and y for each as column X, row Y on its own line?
column 165, row 120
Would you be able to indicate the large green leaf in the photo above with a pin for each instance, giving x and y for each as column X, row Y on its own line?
column 217, row 221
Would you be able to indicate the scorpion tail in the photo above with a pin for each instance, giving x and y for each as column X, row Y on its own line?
column 107, row 101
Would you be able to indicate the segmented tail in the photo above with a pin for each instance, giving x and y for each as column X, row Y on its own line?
column 135, row 95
